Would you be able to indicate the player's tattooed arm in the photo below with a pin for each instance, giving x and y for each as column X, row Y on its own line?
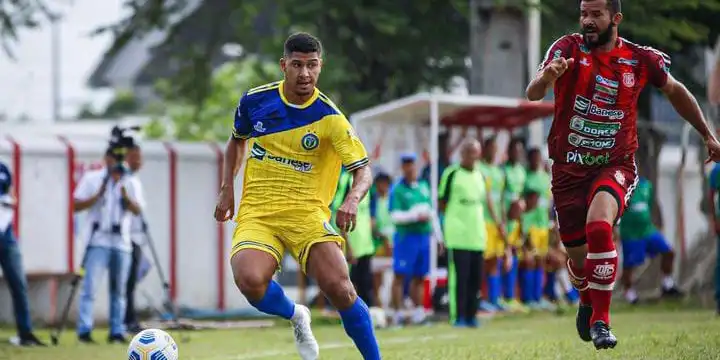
column 362, row 180
column 686, row 105
column 234, row 154
column 347, row 213
column 545, row 79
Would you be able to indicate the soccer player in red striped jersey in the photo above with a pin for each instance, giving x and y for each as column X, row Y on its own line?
column 597, row 78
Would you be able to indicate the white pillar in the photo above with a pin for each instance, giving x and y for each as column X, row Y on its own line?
column 536, row 136
column 434, row 177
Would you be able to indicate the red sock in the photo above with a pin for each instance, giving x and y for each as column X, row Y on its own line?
column 601, row 265
column 579, row 281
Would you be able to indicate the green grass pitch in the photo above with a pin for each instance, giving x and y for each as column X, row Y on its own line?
column 655, row 332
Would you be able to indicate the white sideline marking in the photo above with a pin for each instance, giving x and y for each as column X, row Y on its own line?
column 343, row 345
column 336, row 345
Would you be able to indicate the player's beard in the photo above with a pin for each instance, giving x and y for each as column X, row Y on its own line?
column 604, row 37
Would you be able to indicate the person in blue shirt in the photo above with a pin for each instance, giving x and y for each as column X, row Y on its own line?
column 11, row 264
column 411, row 213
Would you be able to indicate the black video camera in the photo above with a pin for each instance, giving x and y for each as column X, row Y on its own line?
column 119, row 144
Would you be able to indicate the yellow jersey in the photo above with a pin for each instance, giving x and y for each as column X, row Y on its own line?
column 296, row 153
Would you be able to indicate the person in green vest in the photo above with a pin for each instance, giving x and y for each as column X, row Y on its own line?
column 360, row 247
column 641, row 238
column 496, row 248
column 412, row 214
column 383, row 230
column 463, row 197
column 515, row 176
column 536, row 232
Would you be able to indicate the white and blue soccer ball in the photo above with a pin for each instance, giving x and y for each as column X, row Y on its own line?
column 153, row 344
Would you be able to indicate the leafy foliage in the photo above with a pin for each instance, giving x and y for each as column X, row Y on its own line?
column 670, row 25
column 376, row 52
column 16, row 15
column 178, row 117
column 380, row 51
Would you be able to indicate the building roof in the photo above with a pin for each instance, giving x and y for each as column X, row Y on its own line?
column 130, row 52
column 140, row 60
column 461, row 110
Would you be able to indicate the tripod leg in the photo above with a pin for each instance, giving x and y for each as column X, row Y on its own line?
column 169, row 303
column 66, row 311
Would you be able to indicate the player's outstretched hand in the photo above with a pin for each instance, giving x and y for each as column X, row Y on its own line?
column 556, row 68
column 225, row 207
column 346, row 215
column 713, row 148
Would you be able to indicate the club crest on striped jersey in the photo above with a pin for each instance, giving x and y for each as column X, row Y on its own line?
column 619, row 177
column 629, row 79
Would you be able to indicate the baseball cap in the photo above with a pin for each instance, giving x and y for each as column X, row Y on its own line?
column 408, row 157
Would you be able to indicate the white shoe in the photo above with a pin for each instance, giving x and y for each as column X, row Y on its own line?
column 305, row 341
column 419, row 316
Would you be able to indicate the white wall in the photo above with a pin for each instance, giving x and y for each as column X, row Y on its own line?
column 200, row 271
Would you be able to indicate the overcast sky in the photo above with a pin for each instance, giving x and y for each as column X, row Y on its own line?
column 26, row 82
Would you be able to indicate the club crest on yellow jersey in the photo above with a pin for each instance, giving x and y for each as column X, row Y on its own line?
column 310, row 141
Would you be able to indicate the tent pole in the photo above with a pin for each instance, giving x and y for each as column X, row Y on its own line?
column 434, row 177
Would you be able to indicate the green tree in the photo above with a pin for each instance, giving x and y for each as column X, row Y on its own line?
column 374, row 53
column 178, row 117
column 383, row 50
column 673, row 26
column 21, row 14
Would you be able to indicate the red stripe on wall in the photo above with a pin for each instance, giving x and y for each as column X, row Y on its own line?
column 16, row 177
column 172, row 188
column 220, row 158
column 70, row 233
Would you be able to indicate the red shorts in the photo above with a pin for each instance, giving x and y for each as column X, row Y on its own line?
column 573, row 189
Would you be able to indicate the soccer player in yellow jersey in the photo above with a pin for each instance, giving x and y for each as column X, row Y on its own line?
column 298, row 141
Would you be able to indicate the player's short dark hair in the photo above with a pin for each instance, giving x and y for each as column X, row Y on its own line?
column 382, row 177
column 532, row 152
column 489, row 141
column 515, row 141
column 615, row 6
column 303, row 43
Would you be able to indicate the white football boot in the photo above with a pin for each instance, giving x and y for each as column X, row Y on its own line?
column 305, row 341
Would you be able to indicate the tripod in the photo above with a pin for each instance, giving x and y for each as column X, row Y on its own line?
column 168, row 304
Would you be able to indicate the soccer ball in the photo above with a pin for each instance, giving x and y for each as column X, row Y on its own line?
column 153, row 344
column 379, row 319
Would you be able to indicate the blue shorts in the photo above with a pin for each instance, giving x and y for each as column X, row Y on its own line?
column 635, row 251
column 411, row 254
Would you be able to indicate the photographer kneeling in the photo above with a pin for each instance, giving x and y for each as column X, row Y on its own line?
column 111, row 198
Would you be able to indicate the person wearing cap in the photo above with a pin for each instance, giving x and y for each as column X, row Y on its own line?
column 411, row 212
column 110, row 197
column 11, row 262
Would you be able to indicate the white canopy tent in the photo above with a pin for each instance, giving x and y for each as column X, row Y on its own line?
column 402, row 119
